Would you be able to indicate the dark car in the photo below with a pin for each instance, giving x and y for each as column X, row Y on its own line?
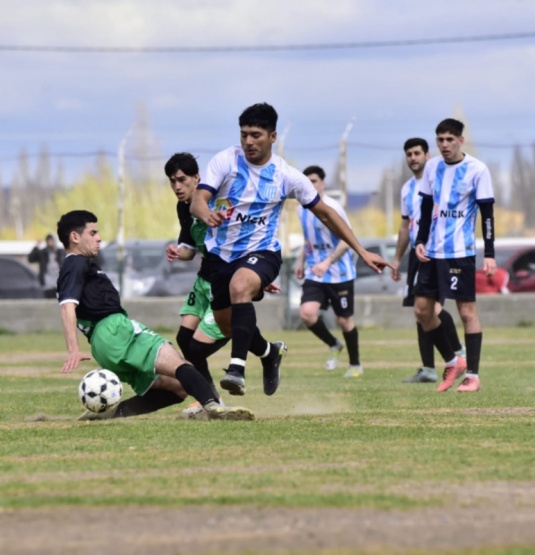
column 147, row 272
column 518, row 260
column 17, row 281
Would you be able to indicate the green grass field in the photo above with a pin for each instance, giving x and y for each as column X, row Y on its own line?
column 321, row 442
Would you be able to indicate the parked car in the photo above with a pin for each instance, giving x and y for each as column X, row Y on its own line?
column 147, row 272
column 17, row 281
column 518, row 259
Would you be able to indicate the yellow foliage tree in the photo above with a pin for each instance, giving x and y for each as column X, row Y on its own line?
column 149, row 211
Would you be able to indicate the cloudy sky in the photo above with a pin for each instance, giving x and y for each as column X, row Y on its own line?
column 76, row 102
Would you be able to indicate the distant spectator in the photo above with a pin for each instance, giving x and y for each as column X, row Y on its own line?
column 496, row 283
column 50, row 259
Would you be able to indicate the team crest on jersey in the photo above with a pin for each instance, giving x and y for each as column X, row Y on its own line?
column 209, row 319
column 461, row 187
column 224, row 204
column 268, row 190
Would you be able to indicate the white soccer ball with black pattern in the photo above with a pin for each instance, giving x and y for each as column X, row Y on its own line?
column 100, row 390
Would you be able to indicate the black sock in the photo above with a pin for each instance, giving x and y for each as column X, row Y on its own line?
column 243, row 324
column 183, row 340
column 153, row 400
column 441, row 341
column 426, row 347
column 195, row 384
column 320, row 330
column 449, row 325
column 352, row 344
column 473, row 351
column 199, row 353
column 258, row 344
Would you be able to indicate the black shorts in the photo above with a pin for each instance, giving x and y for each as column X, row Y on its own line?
column 412, row 276
column 266, row 264
column 338, row 295
column 447, row 278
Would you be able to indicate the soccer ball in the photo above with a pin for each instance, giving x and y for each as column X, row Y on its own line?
column 100, row 390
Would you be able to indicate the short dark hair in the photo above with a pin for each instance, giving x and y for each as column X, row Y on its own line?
column 259, row 115
column 76, row 220
column 314, row 169
column 450, row 125
column 416, row 141
column 181, row 161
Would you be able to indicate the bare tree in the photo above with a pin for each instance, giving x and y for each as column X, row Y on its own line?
column 16, row 219
column 392, row 180
column 59, row 178
column 3, row 206
column 523, row 185
column 144, row 157
column 28, row 191
column 498, row 185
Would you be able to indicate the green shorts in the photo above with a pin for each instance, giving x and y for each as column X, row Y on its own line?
column 198, row 304
column 127, row 348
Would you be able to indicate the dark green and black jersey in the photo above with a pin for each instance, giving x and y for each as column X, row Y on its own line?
column 83, row 282
column 193, row 233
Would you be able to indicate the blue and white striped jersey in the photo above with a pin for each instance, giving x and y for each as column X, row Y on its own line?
column 457, row 190
column 254, row 197
column 411, row 202
column 320, row 242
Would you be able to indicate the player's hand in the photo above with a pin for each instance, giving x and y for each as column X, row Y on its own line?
column 172, row 252
column 489, row 266
column 299, row 271
column 421, row 253
column 215, row 219
column 272, row 288
column 321, row 268
column 374, row 261
column 73, row 360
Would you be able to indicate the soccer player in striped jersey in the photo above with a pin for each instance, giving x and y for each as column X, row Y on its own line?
column 329, row 269
column 240, row 198
column 454, row 187
column 416, row 155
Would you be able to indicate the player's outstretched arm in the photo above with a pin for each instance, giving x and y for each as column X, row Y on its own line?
column 335, row 223
column 74, row 356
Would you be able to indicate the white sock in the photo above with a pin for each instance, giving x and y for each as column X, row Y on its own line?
column 268, row 350
column 237, row 362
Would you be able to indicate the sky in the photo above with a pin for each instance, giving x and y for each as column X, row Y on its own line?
column 78, row 102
